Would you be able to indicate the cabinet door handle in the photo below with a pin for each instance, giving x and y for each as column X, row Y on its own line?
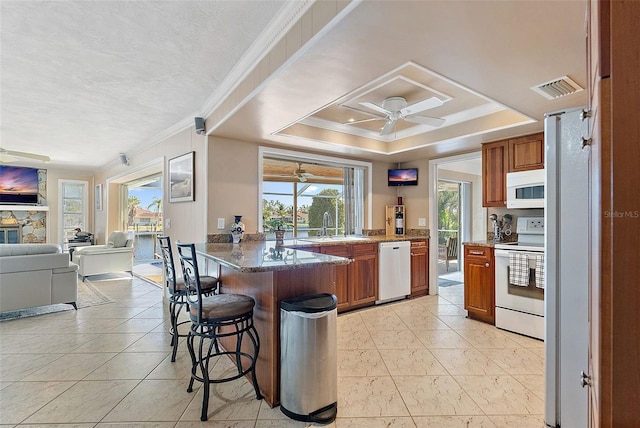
column 486, row 264
column 477, row 253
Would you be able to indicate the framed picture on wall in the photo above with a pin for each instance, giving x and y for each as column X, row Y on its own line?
column 99, row 197
column 181, row 179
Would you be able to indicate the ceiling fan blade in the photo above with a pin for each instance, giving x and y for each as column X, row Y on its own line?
column 357, row 110
column 388, row 127
column 421, row 106
column 24, row 155
column 425, row 120
column 364, row 120
column 376, row 107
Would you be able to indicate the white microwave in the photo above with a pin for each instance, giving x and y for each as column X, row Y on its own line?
column 525, row 189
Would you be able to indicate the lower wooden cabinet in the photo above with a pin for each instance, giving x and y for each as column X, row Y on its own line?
column 357, row 282
column 479, row 283
column 419, row 268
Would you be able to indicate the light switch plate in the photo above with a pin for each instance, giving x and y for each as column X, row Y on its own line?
column 221, row 223
column 422, row 221
column 167, row 223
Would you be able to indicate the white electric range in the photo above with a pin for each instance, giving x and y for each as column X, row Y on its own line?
column 520, row 308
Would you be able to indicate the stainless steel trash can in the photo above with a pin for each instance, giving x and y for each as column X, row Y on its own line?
column 309, row 358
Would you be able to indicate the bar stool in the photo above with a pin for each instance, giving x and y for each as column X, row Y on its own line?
column 178, row 292
column 213, row 318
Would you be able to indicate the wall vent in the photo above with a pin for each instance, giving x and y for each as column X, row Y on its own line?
column 557, row 88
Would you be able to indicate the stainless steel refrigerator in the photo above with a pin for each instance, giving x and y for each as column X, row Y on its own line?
column 567, row 209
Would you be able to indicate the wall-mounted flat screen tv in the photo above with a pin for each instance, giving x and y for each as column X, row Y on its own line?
column 403, row 177
column 18, row 185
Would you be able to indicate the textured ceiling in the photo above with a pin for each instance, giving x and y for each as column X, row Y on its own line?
column 85, row 80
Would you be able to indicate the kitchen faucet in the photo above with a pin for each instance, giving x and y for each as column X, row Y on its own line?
column 326, row 221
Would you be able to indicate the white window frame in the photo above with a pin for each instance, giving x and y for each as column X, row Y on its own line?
column 339, row 162
column 85, row 205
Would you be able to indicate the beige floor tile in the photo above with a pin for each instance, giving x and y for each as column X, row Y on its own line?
column 153, row 400
column 216, row 424
column 447, row 310
column 20, row 400
column 97, row 325
column 435, row 395
column 112, row 342
column 425, row 321
column 395, row 339
column 372, row 396
column 389, row 422
column 501, row 395
column 441, row 339
column 412, row 362
column 97, row 398
column 524, row 341
column 529, row 421
column 377, row 320
column 137, row 325
column 87, row 425
column 357, row 339
column 179, row 369
column 474, row 421
column 151, row 342
column 534, row 383
column 17, row 366
column 516, row 360
column 350, row 322
column 133, row 425
column 109, row 311
column 491, row 338
column 361, row 362
column 70, row 367
column 128, row 365
column 466, row 362
column 233, row 401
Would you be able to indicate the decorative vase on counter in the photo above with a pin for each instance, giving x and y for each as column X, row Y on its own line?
column 237, row 229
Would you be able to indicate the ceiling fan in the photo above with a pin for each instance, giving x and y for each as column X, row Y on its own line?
column 301, row 173
column 395, row 108
column 8, row 156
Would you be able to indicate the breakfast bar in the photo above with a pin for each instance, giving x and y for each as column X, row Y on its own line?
column 269, row 274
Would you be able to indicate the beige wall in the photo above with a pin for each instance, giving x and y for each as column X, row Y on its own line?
column 233, row 185
column 187, row 219
column 415, row 198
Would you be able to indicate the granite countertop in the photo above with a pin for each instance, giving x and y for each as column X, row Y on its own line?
column 480, row 243
column 315, row 242
column 264, row 256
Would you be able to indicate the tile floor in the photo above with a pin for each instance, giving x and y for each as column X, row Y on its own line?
column 417, row 363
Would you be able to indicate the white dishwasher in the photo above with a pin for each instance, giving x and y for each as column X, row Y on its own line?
column 394, row 271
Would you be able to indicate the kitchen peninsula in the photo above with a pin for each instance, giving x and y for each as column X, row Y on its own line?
column 270, row 274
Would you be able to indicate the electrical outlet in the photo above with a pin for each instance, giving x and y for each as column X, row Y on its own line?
column 167, row 223
column 422, row 221
column 221, row 223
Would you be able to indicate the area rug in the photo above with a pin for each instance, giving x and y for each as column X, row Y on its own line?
column 447, row 282
column 88, row 295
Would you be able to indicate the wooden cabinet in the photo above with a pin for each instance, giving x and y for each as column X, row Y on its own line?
column 357, row 282
column 526, row 153
column 513, row 155
column 479, row 283
column 342, row 274
column 419, row 268
column 363, row 277
column 494, row 170
column 395, row 220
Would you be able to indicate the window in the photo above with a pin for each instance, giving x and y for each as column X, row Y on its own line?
column 74, row 207
column 297, row 190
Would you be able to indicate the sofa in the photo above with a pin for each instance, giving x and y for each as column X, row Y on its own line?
column 115, row 256
column 36, row 275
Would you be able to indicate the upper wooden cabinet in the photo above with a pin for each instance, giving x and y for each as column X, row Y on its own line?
column 494, row 170
column 526, row 153
column 500, row 157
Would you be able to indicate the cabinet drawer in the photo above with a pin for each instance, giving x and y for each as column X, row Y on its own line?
column 480, row 252
column 364, row 249
column 417, row 244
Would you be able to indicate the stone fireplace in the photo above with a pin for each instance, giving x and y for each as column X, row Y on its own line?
column 26, row 224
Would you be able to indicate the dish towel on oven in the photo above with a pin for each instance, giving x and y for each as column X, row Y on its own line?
column 540, row 271
column 518, row 269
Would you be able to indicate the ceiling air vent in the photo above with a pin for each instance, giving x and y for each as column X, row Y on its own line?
column 557, row 88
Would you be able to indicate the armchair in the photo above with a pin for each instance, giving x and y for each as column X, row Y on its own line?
column 448, row 251
column 116, row 256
